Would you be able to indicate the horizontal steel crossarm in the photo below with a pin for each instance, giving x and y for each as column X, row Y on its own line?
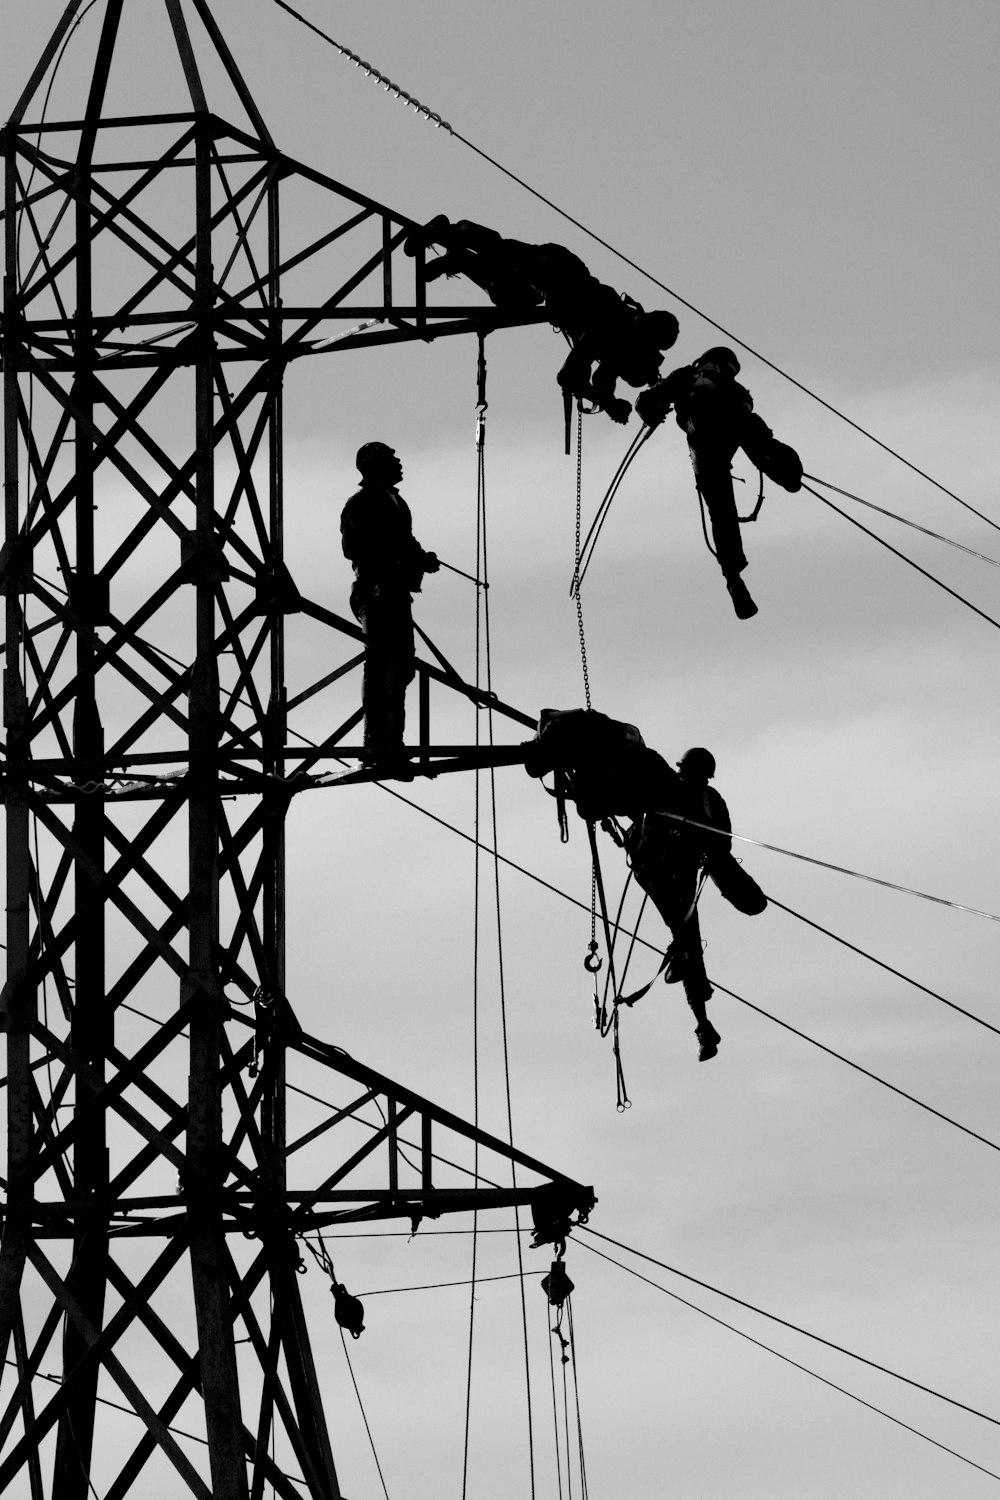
column 440, row 323
column 430, row 1203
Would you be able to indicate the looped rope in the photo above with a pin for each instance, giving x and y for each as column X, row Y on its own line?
column 586, row 553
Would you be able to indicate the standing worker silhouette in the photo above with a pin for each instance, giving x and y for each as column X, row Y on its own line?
column 389, row 565
column 717, row 415
column 667, row 859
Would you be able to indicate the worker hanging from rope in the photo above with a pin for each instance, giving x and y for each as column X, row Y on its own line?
column 611, row 336
column 679, row 832
column 667, row 861
column 717, row 415
column 389, row 567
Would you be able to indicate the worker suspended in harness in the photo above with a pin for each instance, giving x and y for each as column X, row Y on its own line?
column 611, row 336
column 389, row 566
column 717, row 415
column 609, row 772
column 670, row 860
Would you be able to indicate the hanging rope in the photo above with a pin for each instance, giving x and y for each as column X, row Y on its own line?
column 555, row 1408
column 481, row 620
column 602, row 1022
column 576, row 589
column 484, row 661
column 576, row 1399
column 584, row 554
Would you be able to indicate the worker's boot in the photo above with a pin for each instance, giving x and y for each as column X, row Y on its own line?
column 739, row 593
column 423, row 235
column 708, row 1041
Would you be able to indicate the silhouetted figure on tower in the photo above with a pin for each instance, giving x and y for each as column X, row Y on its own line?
column 670, row 860
column 389, row 566
column 718, row 417
column 611, row 336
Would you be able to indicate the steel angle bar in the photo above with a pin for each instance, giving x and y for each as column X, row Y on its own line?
column 325, row 682
column 96, row 1341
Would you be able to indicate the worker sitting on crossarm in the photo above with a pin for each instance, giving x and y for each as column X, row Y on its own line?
column 670, row 860
column 717, row 415
column 605, row 328
column 389, row 566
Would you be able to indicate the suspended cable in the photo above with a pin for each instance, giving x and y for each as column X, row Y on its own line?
column 787, row 1359
column 794, row 1327
column 581, row 1457
column 903, row 520
column 373, row 73
column 364, row 1415
column 970, row 1015
column 437, row 1286
column 731, row 337
column 766, row 1014
column 555, row 1407
column 823, row 864
column 902, row 555
column 875, row 1077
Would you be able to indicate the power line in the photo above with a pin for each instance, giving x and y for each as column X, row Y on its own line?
column 908, row 560
column 823, row 864
column 436, row 1286
column 904, row 521
column 875, row 1077
column 794, row 1327
column 951, row 1004
column 436, row 119
column 965, row 1129
column 785, row 1357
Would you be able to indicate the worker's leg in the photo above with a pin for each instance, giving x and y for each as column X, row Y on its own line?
column 687, row 963
column 389, row 667
column 673, row 898
column 714, row 477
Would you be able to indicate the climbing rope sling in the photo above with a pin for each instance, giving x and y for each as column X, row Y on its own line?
column 607, row 1005
column 585, row 552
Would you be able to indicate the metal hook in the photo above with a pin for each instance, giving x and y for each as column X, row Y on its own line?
column 593, row 961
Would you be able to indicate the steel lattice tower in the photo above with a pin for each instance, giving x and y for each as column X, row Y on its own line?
column 154, row 296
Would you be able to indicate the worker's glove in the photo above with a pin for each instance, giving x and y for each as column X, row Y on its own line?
column 617, row 409
column 651, row 407
column 431, row 562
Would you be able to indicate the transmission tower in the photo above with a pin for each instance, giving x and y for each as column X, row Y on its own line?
column 166, row 1150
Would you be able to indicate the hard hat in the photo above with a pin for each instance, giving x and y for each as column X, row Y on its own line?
column 719, row 355
column 700, row 760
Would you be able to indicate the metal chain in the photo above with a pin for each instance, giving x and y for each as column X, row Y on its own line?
column 576, row 588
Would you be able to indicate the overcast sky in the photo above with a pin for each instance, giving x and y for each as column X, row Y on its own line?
column 821, row 181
